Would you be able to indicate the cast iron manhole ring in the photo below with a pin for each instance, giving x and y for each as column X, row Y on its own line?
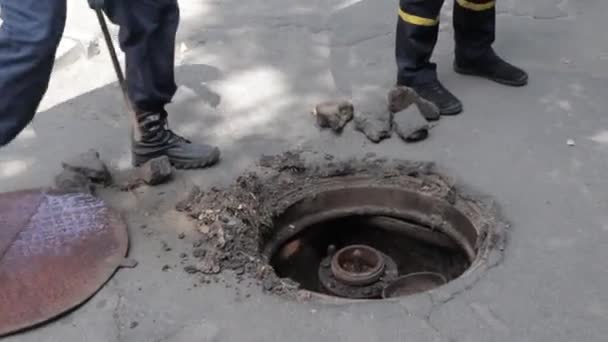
column 460, row 224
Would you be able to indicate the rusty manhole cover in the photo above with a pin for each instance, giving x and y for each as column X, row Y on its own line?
column 56, row 251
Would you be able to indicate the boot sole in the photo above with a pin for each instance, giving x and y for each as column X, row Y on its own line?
column 469, row 72
column 451, row 111
column 181, row 164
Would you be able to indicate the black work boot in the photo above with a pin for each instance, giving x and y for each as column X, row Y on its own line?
column 158, row 140
column 493, row 68
column 436, row 93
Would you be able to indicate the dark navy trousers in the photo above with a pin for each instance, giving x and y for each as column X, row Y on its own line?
column 418, row 28
column 32, row 29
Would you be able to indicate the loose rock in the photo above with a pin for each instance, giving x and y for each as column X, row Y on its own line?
column 375, row 126
column 401, row 98
column 372, row 116
column 156, row 171
column 334, row 114
column 199, row 253
column 91, row 166
column 410, row 125
column 70, row 181
column 209, row 266
column 268, row 284
column 190, row 269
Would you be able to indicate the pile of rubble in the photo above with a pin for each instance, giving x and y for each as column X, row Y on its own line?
column 377, row 114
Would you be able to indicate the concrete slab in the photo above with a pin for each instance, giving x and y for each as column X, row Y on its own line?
column 253, row 72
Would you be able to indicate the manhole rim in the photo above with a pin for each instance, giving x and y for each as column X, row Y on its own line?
column 489, row 245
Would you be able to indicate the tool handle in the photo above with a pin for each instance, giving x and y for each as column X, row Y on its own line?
column 117, row 68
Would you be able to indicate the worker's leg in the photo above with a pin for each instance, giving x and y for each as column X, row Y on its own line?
column 147, row 35
column 474, row 31
column 29, row 35
column 417, row 31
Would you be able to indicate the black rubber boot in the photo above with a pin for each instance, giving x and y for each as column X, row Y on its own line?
column 436, row 93
column 158, row 140
column 493, row 68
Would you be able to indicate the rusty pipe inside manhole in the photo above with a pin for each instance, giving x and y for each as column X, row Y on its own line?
column 357, row 265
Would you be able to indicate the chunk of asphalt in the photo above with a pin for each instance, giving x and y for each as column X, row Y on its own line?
column 156, row 171
column 401, row 97
column 73, row 182
column 90, row 165
column 372, row 116
column 334, row 114
column 410, row 125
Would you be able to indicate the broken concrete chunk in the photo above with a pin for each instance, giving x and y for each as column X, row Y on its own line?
column 372, row 117
column 156, row 171
column 428, row 109
column 70, row 181
column 375, row 126
column 90, row 165
column 199, row 253
column 400, row 98
column 209, row 265
column 190, row 269
column 408, row 123
column 334, row 114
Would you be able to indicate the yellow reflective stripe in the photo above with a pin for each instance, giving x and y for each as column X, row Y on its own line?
column 476, row 7
column 416, row 20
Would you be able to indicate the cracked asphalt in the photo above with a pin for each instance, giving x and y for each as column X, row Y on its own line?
column 249, row 74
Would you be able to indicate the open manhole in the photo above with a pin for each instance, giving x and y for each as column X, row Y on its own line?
column 357, row 239
column 365, row 229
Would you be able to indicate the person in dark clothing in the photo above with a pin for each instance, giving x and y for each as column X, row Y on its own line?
column 474, row 32
column 29, row 36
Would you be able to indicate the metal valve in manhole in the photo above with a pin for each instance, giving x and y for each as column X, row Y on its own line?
column 356, row 271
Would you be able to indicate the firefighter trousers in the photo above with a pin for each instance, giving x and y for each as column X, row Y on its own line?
column 474, row 24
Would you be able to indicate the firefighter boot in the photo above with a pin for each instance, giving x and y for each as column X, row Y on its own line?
column 436, row 93
column 156, row 140
column 474, row 33
column 494, row 68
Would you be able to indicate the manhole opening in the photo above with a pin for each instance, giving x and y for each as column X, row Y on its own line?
column 368, row 242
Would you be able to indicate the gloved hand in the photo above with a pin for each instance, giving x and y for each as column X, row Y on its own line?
column 96, row 4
